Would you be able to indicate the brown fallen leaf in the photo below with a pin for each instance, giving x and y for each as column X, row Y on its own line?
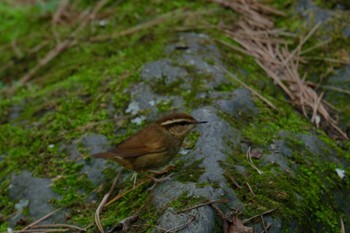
column 238, row 227
column 256, row 153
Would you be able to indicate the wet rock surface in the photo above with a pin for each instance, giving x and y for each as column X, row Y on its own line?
column 93, row 143
column 35, row 194
column 239, row 102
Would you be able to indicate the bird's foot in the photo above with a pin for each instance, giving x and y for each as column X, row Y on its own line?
column 134, row 178
column 164, row 170
column 159, row 180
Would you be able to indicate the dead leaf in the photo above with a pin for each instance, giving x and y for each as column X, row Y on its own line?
column 238, row 227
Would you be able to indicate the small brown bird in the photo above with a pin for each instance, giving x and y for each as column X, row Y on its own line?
column 154, row 146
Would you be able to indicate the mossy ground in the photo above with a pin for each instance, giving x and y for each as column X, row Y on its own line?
column 71, row 96
column 309, row 192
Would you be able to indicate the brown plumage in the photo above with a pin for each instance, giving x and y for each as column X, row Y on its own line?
column 155, row 145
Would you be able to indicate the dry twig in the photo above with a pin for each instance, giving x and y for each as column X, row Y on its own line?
column 103, row 202
column 258, row 215
column 38, row 221
column 249, row 88
column 342, row 226
column 250, row 161
column 202, row 204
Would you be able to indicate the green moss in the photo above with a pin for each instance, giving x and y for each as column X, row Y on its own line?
column 73, row 95
column 184, row 201
column 309, row 190
column 189, row 172
column 333, row 4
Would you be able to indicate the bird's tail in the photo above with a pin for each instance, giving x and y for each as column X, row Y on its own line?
column 104, row 155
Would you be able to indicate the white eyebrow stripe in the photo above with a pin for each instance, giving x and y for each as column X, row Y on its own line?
column 168, row 122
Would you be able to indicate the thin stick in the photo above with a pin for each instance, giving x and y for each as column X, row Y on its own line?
column 302, row 42
column 342, row 226
column 123, row 194
column 58, row 225
column 98, row 211
column 232, row 179
column 258, row 215
column 322, row 43
column 202, row 204
column 332, row 88
column 222, row 216
column 178, row 228
column 249, row 158
column 177, row 14
column 327, row 59
column 267, row 228
column 263, row 223
column 39, row 220
column 249, row 88
column 43, row 230
column 250, row 188
column 234, row 47
column 103, row 202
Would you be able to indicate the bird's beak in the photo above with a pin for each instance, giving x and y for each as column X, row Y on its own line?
column 201, row 122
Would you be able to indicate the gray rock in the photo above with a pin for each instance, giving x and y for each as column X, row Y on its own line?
column 346, row 32
column 143, row 95
column 173, row 222
column 38, row 192
column 279, row 153
column 240, row 102
column 96, row 143
column 276, row 225
column 211, row 149
column 204, row 220
column 210, row 75
column 163, row 71
column 211, row 145
column 15, row 112
column 313, row 144
column 312, row 12
column 202, row 57
column 73, row 151
column 195, row 44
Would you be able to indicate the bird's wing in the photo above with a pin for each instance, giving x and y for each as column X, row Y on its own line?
column 144, row 142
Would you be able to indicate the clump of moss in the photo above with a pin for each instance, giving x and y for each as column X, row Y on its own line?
column 309, row 190
column 184, row 200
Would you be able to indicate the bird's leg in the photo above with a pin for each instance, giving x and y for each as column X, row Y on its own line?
column 134, row 178
column 159, row 180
